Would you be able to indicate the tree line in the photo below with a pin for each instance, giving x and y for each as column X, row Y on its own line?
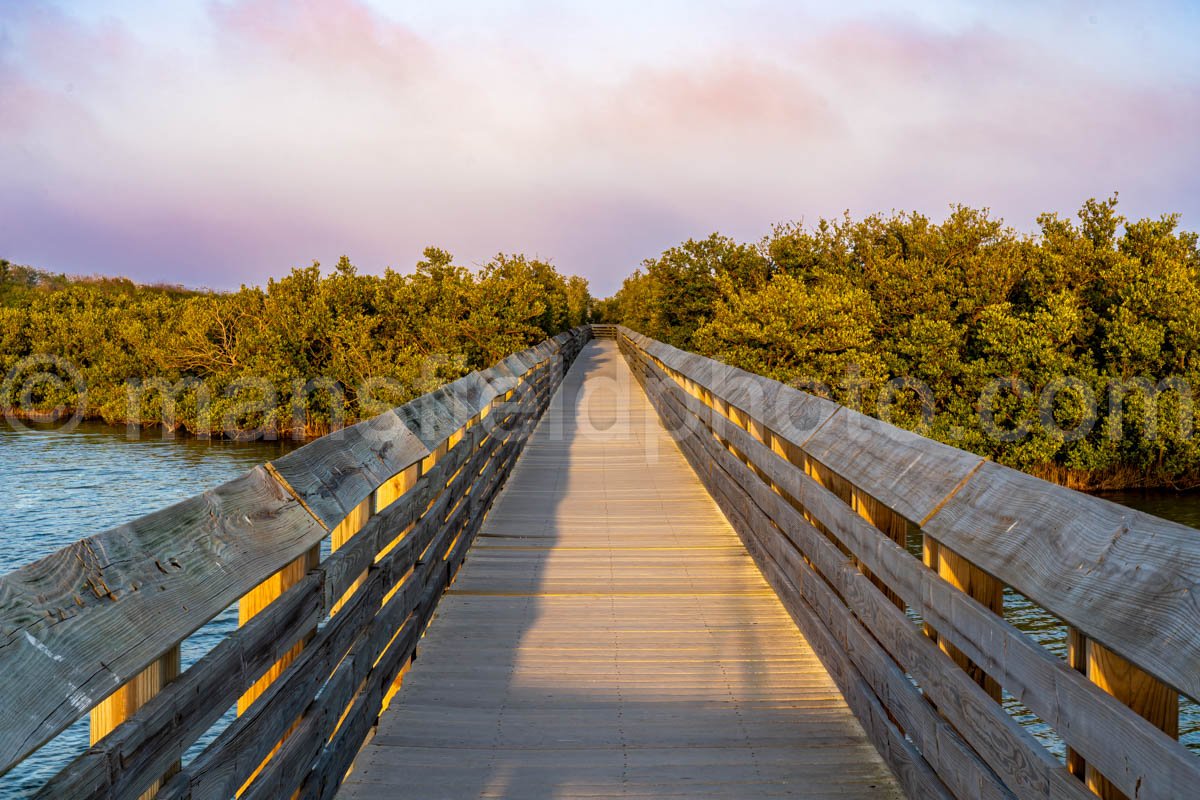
column 1071, row 353
column 304, row 354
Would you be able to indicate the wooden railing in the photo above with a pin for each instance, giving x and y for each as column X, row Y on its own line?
column 96, row 626
column 603, row 331
column 829, row 502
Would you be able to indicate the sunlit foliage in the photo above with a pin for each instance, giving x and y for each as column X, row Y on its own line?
column 1082, row 342
column 299, row 356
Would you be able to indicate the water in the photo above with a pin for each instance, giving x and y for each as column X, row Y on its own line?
column 63, row 486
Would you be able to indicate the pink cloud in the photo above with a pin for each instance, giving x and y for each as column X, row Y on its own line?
column 324, row 34
column 305, row 130
column 726, row 93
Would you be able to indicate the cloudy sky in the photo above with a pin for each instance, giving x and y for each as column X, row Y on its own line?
column 215, row 143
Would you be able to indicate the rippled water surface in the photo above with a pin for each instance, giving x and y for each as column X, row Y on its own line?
column 61, row 486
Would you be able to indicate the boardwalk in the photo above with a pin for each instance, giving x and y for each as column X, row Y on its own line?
column 609, row 636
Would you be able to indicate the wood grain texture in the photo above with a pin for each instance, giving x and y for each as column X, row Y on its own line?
column 863, row 670
column 125, row 702
column 324, row 687
column 989, row 592
column 128, row 760
column 954, row 762
column 83, row 621
column 1148, row 697
column 1126, row 579
column 609, row 634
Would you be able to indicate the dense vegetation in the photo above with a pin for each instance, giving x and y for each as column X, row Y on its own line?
column 1070, row 354
column 294, row 358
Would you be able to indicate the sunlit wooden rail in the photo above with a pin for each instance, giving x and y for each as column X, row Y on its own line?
column 831, row 506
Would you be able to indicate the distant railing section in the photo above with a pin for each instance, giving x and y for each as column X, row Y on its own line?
column 827, row 499
column 602, row 331
column 96, row 626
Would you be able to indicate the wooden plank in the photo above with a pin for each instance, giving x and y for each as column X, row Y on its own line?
column 989, row 592
column 136, row 752
column 550, row 685
column 908, row 473
column 794, row 414
column 125, row 702
column 88, row 618
column 1148, row 697
column 954, row 765
column 225, row 764
column 1088, row 561
column 337, row 472
column 96, row 615
column 260, row 598
column 865, row 657
column 288, row 771
column 285, row 775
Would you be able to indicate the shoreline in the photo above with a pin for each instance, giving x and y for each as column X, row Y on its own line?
column 49, row 419
column 1101, row 482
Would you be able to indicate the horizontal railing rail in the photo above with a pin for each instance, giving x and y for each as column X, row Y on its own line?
column 829, row 501
column 96, row 626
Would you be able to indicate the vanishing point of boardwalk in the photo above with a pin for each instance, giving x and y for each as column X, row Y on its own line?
column 610, row 636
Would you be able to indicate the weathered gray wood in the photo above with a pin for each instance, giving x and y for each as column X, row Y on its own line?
column 590, row 598
column 1025, row 766
column 868, row 672
column 908, row 473
column 335, row 473
column 1139, row 758
column 81, row 622
column 1095, row 564
column 139, row 751
column 88, row 618
column 794, row 414
column 1071, row 553
column 905, row 701
column 188, row 707
column 227, row 763
column 951, row 758
column 232, row 758
column 286, row 771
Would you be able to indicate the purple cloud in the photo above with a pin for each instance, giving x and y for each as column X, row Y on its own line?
column 286, row 132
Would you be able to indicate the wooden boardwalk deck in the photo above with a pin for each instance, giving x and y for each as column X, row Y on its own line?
column 609, row 636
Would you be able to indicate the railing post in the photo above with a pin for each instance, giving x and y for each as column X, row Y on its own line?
column 1146, row 695
column 121, row 704
column 262, row 596
column 929, row 556
column 349, row 526
column 971, row 580
column 1077, row 660
column 893, row 526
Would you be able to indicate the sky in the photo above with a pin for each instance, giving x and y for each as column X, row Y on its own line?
column 220, row 142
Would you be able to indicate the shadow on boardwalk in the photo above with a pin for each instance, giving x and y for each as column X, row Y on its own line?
column 609, row 636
